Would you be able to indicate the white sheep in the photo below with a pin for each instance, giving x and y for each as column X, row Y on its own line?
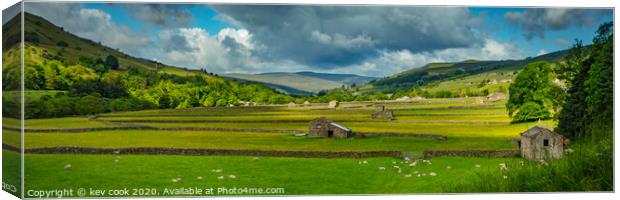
column 68, row 166
column 232, row 176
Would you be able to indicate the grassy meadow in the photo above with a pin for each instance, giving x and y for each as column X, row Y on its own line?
column 468, row 126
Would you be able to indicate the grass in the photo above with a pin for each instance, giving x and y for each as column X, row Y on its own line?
column 588, row 168
column 449, row 117
column 295, row 175
column 250, row 141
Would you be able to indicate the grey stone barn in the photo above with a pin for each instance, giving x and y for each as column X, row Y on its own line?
column 323, row 127
column 539, row 143
column 382, row 113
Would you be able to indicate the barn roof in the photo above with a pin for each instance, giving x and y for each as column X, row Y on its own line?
column 340, row 126
column 537, row 130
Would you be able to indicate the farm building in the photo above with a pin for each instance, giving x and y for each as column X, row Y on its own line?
column 333, row 104
column 323, row 127
column 382, row 113
column 539, row 143
column 496, row 97
column 404, row 99
column 306, row 103
column 291, row 104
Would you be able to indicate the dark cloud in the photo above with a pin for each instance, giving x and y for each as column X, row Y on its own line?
column 164, row 15
column 176, row 42
column 330, row 36
column 93, row 24
column 535, row 21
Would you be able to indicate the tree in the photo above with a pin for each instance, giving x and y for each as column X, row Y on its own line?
column 589, row 104
column 533, row 84
column 531, row 111
column 570, row 66
column 111, row 62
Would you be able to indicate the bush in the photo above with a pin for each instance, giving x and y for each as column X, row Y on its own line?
column 531, row 111
column 62, row 44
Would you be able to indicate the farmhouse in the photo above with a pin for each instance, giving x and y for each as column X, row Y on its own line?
column 539, row 143
column 333, row 104
column 382, row 113
column 323, row 127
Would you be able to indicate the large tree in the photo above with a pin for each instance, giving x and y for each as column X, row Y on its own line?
column 589, row 104
column 534, row 84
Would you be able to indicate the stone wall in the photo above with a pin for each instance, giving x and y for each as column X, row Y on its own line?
column 204, row 152
column 472, row 153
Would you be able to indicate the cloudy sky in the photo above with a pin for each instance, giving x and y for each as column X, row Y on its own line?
column 364, row 40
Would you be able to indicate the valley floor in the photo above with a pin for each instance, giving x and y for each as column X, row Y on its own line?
column 467, row 126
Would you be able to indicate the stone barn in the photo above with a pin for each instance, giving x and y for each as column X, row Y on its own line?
column 539, row 143
column 291, row 104
column 382, row 113
column 323, row 127
column 333, row 104
column 496, row 97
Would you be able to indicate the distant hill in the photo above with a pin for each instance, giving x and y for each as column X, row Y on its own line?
column 437, row 72
column 301, row 82
column 347, row 79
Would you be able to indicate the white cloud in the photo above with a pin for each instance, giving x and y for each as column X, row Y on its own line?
column 241, row 36
column 391, row 62
column 541, row 52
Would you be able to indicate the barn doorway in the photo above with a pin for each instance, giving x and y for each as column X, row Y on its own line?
column 330, row 133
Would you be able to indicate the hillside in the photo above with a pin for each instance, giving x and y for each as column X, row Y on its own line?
column 79, row 77
column 469, row 72
column 69, row 48
column 301, row 82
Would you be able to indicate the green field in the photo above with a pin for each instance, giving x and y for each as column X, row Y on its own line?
column 467, row 125
column 295, row 175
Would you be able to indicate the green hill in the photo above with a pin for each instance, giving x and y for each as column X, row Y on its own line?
column 468, row 72
column 76, row 76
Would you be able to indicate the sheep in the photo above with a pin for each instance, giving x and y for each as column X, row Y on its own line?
column 220, row 177
column 381, row 168
column 216, row 170
column 232, row 176
column 407, row 175
column 477, row 165
column 68, row 167
column 448, row 167
column 199, row 178
column 432, row 174
column 502, row 166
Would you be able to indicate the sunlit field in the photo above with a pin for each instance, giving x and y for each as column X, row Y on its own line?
column 467, row 126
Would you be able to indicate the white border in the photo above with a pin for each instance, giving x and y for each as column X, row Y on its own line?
column 490, row 3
